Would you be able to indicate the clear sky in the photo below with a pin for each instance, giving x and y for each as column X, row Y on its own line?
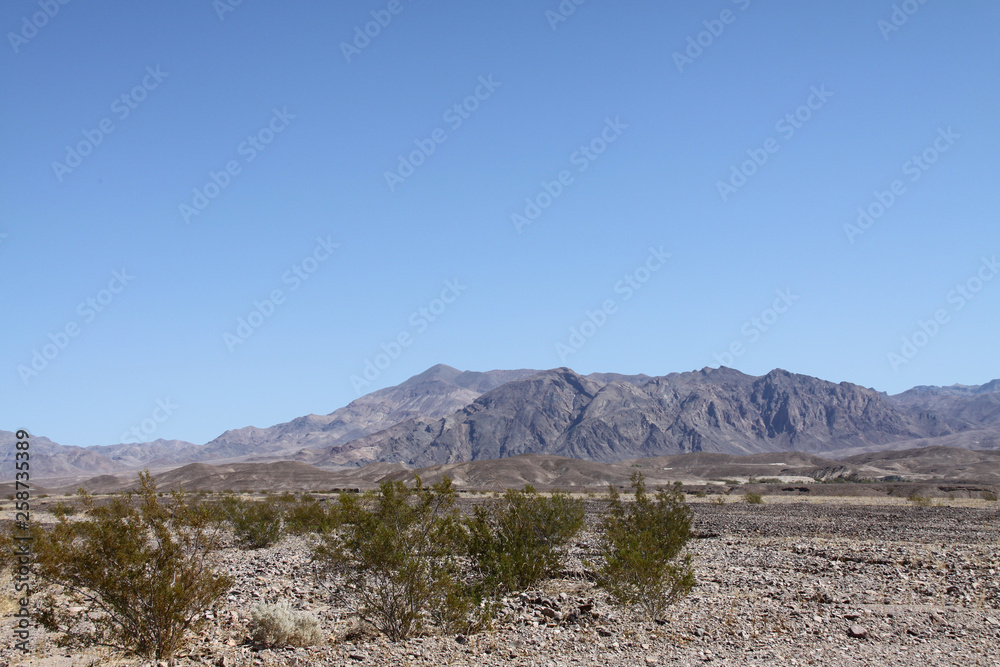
column 670, row 180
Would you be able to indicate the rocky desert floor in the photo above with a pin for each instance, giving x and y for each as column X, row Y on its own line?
column 783, row 583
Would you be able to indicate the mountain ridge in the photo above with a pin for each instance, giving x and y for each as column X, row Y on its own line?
column 444, row 415
column 561, row 413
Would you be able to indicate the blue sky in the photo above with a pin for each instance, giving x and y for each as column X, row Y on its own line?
column 216, row 156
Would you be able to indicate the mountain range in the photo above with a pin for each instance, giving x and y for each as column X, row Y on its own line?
column 444, row 416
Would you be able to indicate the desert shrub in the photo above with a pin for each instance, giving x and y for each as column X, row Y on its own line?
column 764, row 480
column 286, row 497
column 396, row 549
column 919, row 500
column 641, row 544
column 753, row 498
column 278, row 625
column 64, row 509
column 7, row 558
column 719, row 500
column 141, row 570
column 700, row 493
column 990, row 496
column 255, row 524
column 310, row 516
column 519, row 539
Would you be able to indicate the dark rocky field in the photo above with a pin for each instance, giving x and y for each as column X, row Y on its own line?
column 783, row 583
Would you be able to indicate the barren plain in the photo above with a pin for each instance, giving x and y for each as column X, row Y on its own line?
column 819, row 581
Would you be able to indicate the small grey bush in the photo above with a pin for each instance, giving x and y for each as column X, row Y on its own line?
column 278, row 625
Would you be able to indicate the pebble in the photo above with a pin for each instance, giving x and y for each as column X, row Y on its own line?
column 776, row 585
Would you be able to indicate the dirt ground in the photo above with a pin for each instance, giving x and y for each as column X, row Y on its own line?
column 791, row 582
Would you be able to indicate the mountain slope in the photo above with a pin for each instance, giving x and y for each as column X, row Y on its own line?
column 50, row 458
column 438, row 391
column 561, row 413
column 976, row 406
column 444, row 415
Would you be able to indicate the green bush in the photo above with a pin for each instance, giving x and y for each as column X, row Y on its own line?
column 753, row 498
column 140, row 569
column 519, row 539
column 7, row 557
column 310, row 516
column 255, row 524
column 919, row 500
column 396, row 549
column 277, row 625
column 641, row 545
column 990, row 496
column 64, row 509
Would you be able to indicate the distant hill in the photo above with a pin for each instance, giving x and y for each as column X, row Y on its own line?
column 939, row 466
column 932, row 462
column 561, row 413
column 51, row 459
column 436, row 392
column 445, row 416
column 972, row 406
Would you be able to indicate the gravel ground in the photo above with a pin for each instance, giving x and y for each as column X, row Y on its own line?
column 789, row 584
